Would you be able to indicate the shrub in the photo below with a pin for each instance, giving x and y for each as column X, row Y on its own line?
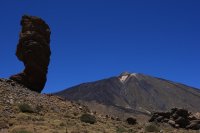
column 152, row 127
column 25, row 108
column 87, row 118
column 120, row 130
column 62, row 124
column 131, row 121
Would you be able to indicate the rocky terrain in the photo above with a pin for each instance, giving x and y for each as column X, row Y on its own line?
column 133, row 94
column 177, row 118
column 26, row 111
column 34, row 50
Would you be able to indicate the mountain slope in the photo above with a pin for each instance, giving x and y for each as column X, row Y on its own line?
column 25, row 111
column 134, row 93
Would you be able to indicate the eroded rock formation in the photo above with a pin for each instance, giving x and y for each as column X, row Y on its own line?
column 33, row 50
column 178, row 118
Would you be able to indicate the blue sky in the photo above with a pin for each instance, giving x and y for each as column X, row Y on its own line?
column 96, row 39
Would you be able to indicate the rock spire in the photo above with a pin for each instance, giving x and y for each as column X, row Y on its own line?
column 34, row 51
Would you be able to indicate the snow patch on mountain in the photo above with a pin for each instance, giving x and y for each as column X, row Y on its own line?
column 123, row 78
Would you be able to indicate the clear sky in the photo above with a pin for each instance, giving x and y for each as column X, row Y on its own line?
column 96, row 39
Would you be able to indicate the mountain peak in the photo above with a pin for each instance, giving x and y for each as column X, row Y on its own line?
column 125, row 75
column 128, row 74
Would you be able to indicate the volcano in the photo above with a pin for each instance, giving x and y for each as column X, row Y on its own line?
column 133, row 94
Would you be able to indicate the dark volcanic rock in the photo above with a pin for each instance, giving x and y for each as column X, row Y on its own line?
column 177, row 118
column 33, row 50
column 182, row 122
column 195, row 125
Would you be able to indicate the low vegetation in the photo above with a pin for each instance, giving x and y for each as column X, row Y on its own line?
column 152, row 127
column 26, row 108
column 120, row 130
column 87, row 118
column 131, row 121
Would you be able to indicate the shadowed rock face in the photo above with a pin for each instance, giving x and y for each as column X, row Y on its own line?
column 33, row 50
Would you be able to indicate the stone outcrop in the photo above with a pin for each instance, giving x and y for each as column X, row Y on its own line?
column 178, row 118
column 33, row 50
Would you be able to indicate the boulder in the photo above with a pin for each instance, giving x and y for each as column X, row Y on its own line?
column 153, row 117
column 172, row 123
column 182, row 112
column 182, row 122
column 164, row 114
column 173, row 110
column 160, row 119
column 33, row 50
column 192, row 117
column 195, row 125
column 175, row 116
